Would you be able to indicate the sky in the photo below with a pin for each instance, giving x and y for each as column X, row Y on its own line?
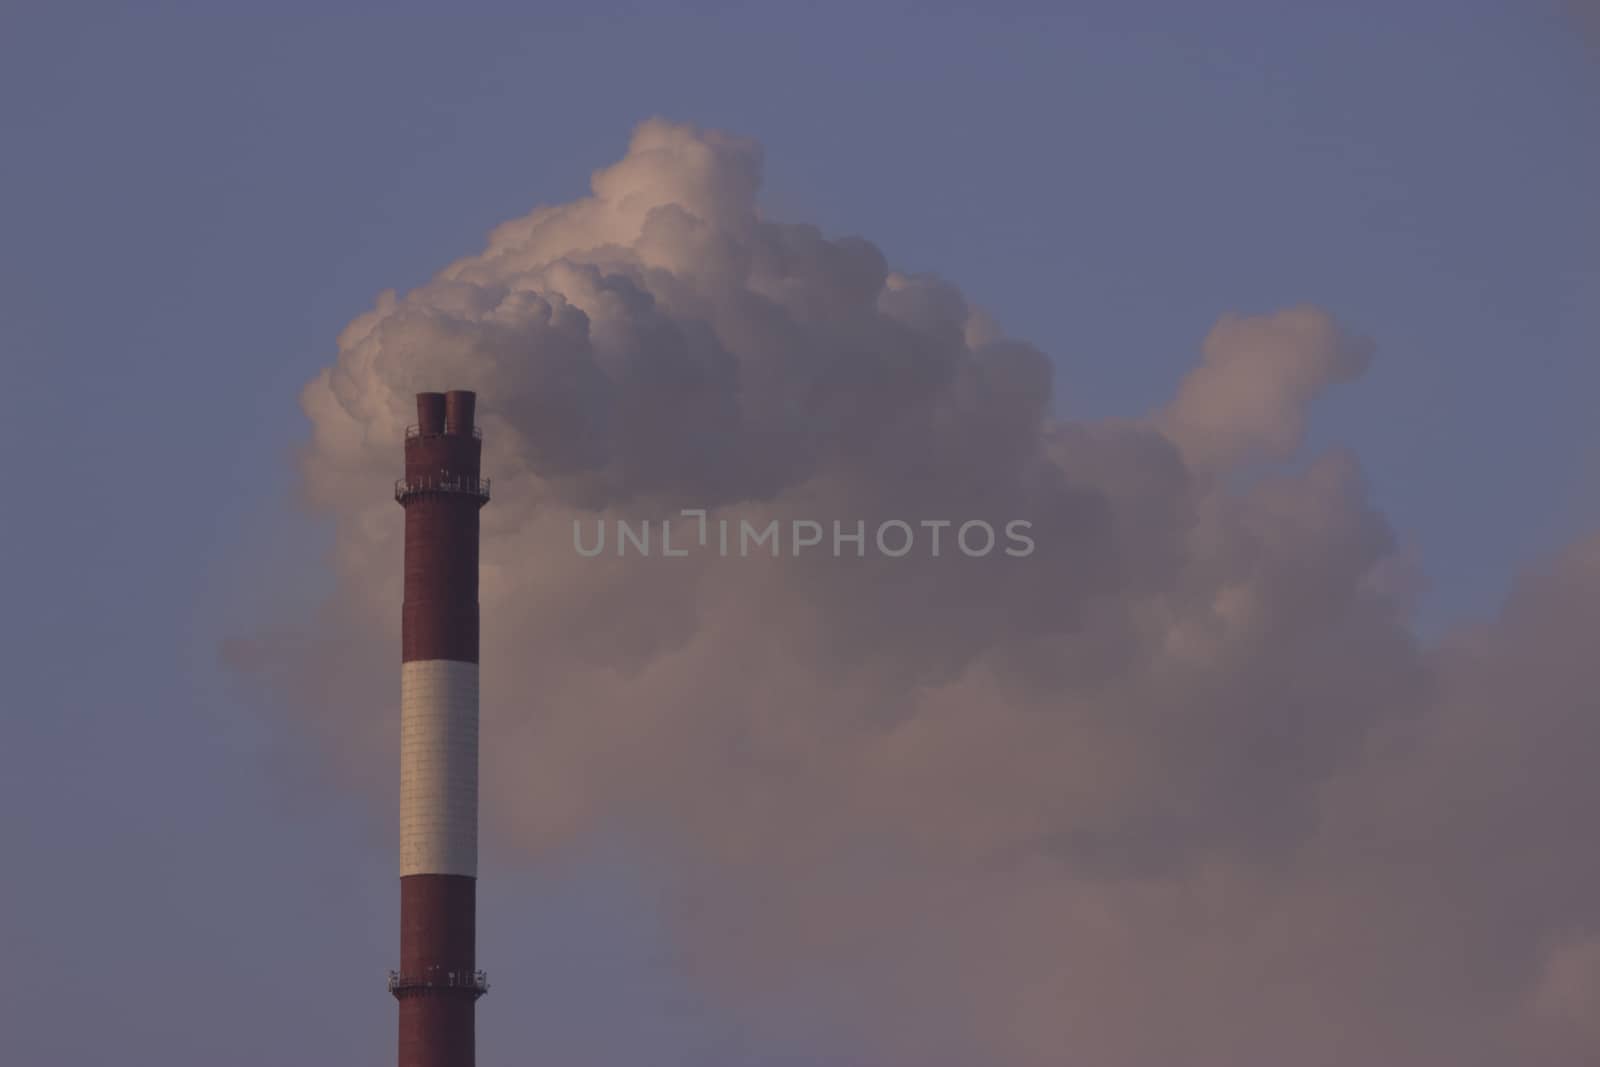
column 196, row 204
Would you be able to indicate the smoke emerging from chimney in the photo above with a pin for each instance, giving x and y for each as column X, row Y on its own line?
column 1178, row 787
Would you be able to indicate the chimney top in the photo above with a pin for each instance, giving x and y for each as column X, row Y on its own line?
column 430, row 413
column 459, row 405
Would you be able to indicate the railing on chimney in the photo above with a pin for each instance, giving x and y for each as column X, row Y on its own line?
column 442, row 483
column 435, row 979
column 416, row 431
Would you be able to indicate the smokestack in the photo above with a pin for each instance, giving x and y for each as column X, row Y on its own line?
column 438, row 982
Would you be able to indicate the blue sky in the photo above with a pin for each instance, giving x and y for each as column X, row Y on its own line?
column 194, row 205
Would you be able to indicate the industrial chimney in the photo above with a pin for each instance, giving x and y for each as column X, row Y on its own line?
column 438, row 982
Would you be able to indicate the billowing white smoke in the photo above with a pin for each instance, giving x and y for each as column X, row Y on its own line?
column 1177, row 787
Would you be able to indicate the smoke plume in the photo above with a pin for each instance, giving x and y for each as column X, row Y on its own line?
column 1179, row 786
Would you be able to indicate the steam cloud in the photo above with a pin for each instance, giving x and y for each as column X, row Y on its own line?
column 1180, row 787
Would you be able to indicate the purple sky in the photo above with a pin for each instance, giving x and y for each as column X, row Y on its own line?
column 195, row 205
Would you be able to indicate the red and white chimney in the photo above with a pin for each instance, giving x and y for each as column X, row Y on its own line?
column 438, row 982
